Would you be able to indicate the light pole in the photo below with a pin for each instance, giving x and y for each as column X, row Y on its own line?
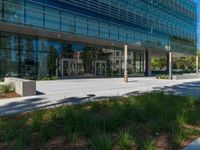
column 125, row 64
column 170, row 65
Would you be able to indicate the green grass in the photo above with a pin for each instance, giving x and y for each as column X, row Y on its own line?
column 126, row 141
column 149, row 144
column 125, row 123
column 101, row 142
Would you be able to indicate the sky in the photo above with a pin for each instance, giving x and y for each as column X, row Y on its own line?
column 198, row 3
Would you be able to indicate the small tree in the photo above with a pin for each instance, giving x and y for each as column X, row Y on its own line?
column 159, row 63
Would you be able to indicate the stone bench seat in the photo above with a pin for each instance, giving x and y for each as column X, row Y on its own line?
column 22, row 87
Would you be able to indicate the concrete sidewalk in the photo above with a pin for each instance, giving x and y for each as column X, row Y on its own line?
column 75, row 91
column 194, row 145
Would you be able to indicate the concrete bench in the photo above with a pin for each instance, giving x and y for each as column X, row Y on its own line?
column 22, row 87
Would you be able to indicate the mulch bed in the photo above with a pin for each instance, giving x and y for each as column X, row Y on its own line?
column 9, row 95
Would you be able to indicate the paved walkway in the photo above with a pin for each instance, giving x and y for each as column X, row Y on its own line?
column 76, row 91
column 194, row 145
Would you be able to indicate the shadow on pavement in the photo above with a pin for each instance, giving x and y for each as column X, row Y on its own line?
column 39, row 93
column 29, row 104
column 186, row 89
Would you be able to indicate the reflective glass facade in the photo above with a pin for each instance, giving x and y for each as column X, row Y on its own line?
column 38, row 57
column 160, row 24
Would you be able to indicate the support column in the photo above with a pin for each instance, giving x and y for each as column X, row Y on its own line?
column 126, row 63
column 148, row 71
column 57, row 67
column 197, row 65
column 170, row 65
column 100, row 63
column 62, row 72
column 95, row 68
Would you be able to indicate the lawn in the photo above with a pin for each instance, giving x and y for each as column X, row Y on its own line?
column 147, row 122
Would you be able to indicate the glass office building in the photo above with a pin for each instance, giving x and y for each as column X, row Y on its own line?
column 86, row 38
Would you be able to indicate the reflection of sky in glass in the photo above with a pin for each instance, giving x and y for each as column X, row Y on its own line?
column 78, row 47
column 198, row 3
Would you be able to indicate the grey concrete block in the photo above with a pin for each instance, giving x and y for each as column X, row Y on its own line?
column 22, row 87
column 185, row 76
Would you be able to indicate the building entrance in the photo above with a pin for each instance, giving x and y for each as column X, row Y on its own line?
column 100, row 68
column 71, row 67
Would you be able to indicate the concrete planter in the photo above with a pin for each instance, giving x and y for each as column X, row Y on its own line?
column 185, row 76
column 22, row 87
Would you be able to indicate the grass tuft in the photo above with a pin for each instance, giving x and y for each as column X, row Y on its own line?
column 6, row 88
column 149, row 144
column 126, row 141
column 101, row 142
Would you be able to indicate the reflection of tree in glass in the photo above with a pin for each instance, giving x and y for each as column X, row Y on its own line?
column 14, row 11
column 89, row 55
column 51, row 64
column 67, row 51
column 159, row 63
column 9, row 56
column 28, row 55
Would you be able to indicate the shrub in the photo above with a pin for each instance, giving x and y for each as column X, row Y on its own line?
column 47, row 78
column 162, row 77
column 6, row 88
column 101, row 142
column 126, row 141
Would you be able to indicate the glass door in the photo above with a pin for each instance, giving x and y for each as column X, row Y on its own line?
column 100, row 68
column 69, row 68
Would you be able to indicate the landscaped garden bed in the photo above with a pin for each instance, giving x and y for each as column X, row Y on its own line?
column 7, row 91
column 146, row 122
column 162, row 77
column 9, row 95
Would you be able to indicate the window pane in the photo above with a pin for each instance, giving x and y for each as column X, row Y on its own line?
column 52, row 18
column 56, row 47
column 93, row 27
column 43, row 57
column 34, row 14
column 28, row 43
column 137, row 37
column 67, row 24
column 52, row 58
column 1, row 10
column 81, row 25
column 122, row 33
column 14, row 11
column 113, row 32
column 42, row 64
column 9, row 41
column 9, row 62
column 43, row 45
column 28, row 63
column 104, row 30
column 130, row 35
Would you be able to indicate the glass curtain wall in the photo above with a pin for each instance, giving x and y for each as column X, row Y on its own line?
column 166, row 25
column 159, row 24
column 29, row 56
column 9, row 54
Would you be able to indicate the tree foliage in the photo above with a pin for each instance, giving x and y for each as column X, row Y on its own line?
column 159, row 63
column 187, row 64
